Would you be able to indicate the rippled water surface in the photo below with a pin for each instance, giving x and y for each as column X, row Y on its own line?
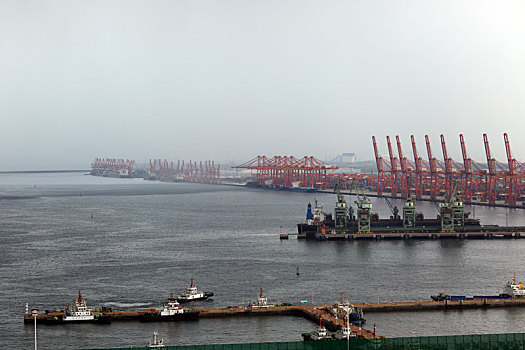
column 128, row 243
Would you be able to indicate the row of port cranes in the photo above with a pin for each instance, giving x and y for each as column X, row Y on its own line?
column 112, row 167
column 484, row 182
column 163, row 170
column 284, row 171
column 191, row 171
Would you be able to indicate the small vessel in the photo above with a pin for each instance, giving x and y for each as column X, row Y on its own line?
column 77, row 313
column 80, row 312
column 321, row 333
column 514, row 289
column 262, row 301
column 345, row 332
column 155, row 342
column 354, row 315
column 192, row 294
column 170, row 312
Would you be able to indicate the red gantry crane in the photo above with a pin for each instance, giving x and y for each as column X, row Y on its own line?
column 283, row 171
column 490, row 182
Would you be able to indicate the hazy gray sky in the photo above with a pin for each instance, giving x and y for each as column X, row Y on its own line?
column 228, row 80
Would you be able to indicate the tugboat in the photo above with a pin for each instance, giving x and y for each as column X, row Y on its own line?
column 353, row 314
column 77, row 313
column 155, row 343
column 320, row 333
column 192, row 294
column 262, row 301
column 345, row 332
column 80, row 312
column 171, row 312
column 515, row 289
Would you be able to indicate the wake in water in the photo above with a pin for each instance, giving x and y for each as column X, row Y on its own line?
column 127, row 305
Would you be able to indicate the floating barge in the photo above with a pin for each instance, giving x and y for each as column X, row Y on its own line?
column 451, row 223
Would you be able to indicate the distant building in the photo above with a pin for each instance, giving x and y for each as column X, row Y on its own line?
column 344, row 159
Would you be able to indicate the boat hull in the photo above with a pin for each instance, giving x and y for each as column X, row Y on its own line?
column 59, row 319
column 157, row 317
column 205, row 296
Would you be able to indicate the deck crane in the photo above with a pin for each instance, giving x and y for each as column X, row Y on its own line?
column 341, row 211
column 393, row 209
column 364, row 206
column 452, row 211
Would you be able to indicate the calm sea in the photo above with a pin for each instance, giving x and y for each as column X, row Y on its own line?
column 128, row 243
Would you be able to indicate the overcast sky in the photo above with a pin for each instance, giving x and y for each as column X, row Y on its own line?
column 228, row 80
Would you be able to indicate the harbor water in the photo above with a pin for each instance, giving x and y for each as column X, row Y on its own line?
column 128, row 243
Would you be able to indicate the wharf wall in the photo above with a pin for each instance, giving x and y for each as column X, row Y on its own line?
column 413, row 235
column 440, row 305
column 312, row 312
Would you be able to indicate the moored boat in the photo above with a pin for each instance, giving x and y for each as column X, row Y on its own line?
column 170, row 312
column 321, row 333
column 80, row 312
column 262, row 301
column 349, row 224
column 514, row 289
column 345, row 332
column 77, row 313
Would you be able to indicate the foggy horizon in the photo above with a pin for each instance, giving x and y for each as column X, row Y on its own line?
column 230, row 80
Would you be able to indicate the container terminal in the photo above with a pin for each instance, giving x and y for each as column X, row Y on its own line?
column 491, row 182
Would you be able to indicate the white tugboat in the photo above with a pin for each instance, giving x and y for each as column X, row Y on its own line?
column 155, row 342
column 173, row 308
column 192, row 294
column 515, row 289
column 321, row 333
column 345, row 332
column 262, row 300
column 171, row 312
column 80, row 312
column 345, row 308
